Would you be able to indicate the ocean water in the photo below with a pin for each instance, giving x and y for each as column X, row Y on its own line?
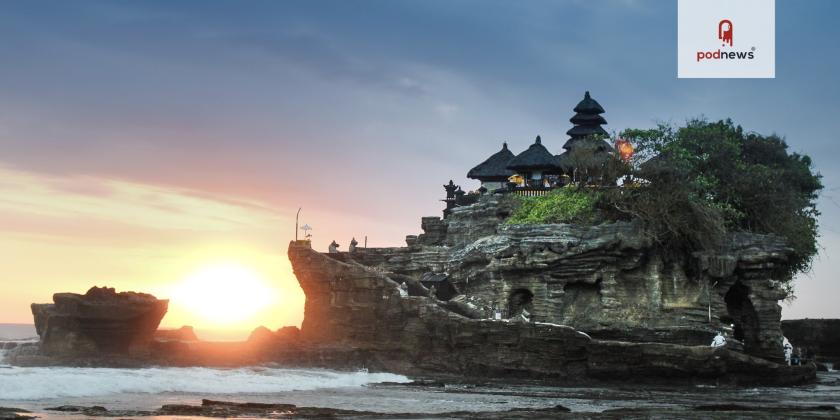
column 37, row 389
column 16, row 332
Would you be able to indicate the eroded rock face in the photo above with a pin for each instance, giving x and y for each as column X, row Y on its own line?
column 355, row 309
column 101, row 321
column 356, row 316
column 607, row 280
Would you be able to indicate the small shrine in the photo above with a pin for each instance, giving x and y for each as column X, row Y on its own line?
column 535, row 165
column 493, row 172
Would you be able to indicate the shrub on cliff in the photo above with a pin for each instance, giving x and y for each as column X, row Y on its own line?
column 708, row 178
column 564, row 205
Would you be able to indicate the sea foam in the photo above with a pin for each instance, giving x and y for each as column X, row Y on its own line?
column 19, row 383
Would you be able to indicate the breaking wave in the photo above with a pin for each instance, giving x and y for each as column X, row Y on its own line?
column 39, row 383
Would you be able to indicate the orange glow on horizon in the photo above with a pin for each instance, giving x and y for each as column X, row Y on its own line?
column 66, row 234
column 223, row 294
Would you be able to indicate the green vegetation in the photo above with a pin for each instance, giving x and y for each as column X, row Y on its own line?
column 693, row 184
column 709, row 178
column 564, row 205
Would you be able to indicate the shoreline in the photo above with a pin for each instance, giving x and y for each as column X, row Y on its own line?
column 383, row 400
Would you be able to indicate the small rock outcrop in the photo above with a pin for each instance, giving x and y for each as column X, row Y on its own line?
column 185, row 333
column 99, row 322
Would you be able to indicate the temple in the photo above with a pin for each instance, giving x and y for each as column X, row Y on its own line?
column 535, row 166
column 474, row 294
column 536, row 170
column 493, row 172
column 586, row 150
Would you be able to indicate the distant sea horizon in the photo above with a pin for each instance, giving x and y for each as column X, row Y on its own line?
column 22, row 331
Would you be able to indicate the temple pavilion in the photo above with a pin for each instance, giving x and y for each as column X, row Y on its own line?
column 493, row 172
column 535, row 165
column 537, row 168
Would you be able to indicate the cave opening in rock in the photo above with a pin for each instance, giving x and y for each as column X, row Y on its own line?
column 743, row 315
column 520, row 299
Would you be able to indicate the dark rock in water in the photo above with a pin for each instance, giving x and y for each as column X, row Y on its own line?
column 261, row 334
column 658, row 362
column 355, row 315
column 101, row 321
column 608, row 280
column 9, row 413
column 78, row 409
column 185, row 333
column 285, row 335
column 224, row 409
column 822, row 336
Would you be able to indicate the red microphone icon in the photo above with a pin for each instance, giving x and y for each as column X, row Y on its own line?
column 725, row 31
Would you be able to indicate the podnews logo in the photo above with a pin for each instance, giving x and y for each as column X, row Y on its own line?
column 709, row 46
column 725, row 34
column 725, row 31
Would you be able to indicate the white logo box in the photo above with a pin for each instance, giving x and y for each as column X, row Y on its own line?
column 701, row 53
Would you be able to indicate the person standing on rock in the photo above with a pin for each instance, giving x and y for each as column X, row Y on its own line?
column 788, row 348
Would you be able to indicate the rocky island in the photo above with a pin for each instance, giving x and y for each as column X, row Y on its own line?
column 602, row 304
column 576, row 268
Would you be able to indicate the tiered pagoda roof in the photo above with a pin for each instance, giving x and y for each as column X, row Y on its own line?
column 494, row 168
column 587, row 125
column 535, row 158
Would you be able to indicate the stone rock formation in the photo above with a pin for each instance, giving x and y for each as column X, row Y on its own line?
column 99, row 322
column 185, row 333
column 576, row 301
column 283, row 335
column 606, row 280
column 822, row 336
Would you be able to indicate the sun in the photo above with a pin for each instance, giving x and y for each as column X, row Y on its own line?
column 223, row 293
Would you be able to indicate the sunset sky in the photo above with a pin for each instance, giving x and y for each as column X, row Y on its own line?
column 141, row 142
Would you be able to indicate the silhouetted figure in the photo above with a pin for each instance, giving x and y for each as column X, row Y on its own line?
column 353, row 243
column 333, row 248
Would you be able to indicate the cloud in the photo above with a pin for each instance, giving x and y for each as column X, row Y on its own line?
column 322, row 55
column 53, row 201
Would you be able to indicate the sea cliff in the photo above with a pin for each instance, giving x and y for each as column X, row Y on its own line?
column 602, row 303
